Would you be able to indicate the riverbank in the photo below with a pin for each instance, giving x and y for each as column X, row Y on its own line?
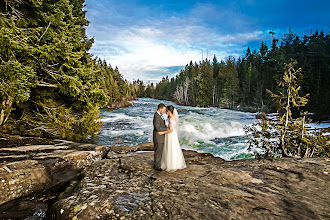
column 122, row 104
column 243, row 108
column 66, row 180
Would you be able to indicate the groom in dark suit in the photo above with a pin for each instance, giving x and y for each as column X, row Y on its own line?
column 159, row 125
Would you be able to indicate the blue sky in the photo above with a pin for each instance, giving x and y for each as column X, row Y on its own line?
column 149, row 39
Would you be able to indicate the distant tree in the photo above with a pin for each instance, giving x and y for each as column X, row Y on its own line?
column 179, row 95
column 230, row 84
column 149, row 90
column 203, row 84
column 186, row 90
column 216, row 69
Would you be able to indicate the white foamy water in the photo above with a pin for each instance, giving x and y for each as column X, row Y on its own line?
column 211, row 130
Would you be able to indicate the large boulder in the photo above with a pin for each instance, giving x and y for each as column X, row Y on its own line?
column 28, row 169
column 22, row 178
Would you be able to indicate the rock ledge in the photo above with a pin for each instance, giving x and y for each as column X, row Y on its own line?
column 125, row 186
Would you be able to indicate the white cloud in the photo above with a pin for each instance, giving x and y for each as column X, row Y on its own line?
column 149, row 47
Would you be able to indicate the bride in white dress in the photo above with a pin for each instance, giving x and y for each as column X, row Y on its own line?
column 172, row 158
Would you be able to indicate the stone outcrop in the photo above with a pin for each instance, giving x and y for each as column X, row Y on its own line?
column 125, row 186
column 84, row 181
column 121, row 104
column 30, row 166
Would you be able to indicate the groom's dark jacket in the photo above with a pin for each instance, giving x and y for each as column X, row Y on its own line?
column 159, row 125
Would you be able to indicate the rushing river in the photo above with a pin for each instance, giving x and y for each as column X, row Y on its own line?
column 212, row 130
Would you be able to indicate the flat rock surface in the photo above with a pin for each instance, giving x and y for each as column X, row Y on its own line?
column 125, row 186
column 120, row 183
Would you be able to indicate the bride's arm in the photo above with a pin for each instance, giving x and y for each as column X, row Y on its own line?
column 171, row 128
column 165, row 132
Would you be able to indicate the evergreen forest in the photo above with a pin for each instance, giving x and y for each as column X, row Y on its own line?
column 49, row 84
column 242, row 84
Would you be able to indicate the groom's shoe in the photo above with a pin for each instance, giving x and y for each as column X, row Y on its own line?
column 159, row 169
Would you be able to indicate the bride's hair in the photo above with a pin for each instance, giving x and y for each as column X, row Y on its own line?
column 170, row 108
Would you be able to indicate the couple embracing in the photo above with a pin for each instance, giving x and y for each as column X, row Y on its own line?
column 168, row 154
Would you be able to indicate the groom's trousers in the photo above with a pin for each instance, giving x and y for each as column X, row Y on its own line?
column 158, row 154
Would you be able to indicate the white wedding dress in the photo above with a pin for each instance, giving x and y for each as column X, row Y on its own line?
column 172, row 158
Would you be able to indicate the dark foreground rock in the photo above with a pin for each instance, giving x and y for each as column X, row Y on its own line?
column 125, row 186
column 32, row 167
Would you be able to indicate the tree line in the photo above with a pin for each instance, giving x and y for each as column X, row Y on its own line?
column 49, row 84
column 242, row 84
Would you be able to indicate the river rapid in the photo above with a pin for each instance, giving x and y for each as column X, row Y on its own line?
column 212, row 130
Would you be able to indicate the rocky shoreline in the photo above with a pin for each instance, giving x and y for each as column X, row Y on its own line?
column 57, row 179
column 118, row 105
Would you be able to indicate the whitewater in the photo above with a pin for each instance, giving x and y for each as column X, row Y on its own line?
column 211, row 130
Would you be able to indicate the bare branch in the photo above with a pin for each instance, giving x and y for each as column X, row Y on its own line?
column 44, row 84
column 45, row 31
column 55, row 64
column 16, row 12
column 50, row 72
column 2, row 59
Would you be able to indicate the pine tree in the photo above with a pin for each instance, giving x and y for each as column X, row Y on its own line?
column 50, row 85
column 203, row 82
column 286, row 100
column 283, row 135
column 230, row 83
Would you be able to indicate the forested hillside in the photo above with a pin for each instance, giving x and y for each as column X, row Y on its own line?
column 50, row 84
column 241, row 84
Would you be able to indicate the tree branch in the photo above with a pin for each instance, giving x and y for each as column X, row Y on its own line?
column 2, row 59
column 17, row 13
column 45, row 31
column 44, row 84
